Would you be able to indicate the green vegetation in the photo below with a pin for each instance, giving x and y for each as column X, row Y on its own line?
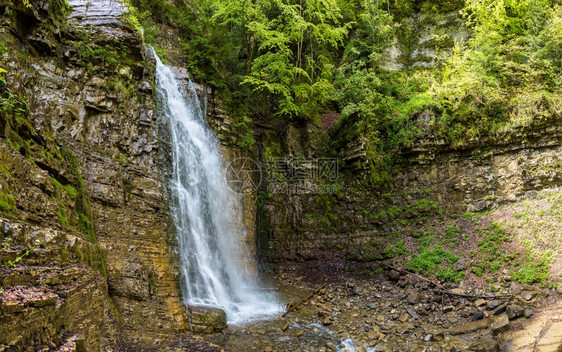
column 95, row 58
column 435, row 261
column 14, row 263
column 13, row 112
column 295, row 60
column 7, row 242
column 81, row 215
column 533, row 267
column 452, row 235
column 419, row 209
column 78, row 254
column 7, row 202
column 68, row 188
column 491, row 253
column 374, row 250
column 394, row 251
column 26, row 3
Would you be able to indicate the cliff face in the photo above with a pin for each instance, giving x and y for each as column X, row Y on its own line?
column 80, row 173
column 298, row 221
column 435, row 178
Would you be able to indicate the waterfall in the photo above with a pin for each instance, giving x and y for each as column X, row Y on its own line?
column 203, row 210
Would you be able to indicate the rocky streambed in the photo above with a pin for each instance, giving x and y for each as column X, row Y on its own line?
column 393, row 311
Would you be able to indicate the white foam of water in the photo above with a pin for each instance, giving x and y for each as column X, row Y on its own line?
column 203, row 211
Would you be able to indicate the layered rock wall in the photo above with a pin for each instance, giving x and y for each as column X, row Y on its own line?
column 80, row 154
column 435, row 179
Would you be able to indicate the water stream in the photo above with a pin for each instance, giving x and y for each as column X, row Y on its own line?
column 203, row 209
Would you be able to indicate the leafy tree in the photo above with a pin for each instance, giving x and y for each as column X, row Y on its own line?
column 289, row 46
column 297, row 59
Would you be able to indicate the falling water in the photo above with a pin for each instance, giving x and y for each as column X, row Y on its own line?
column 203, row 208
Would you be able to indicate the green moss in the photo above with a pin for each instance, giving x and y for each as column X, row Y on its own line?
column 396, row 250
column 423, row 207
column 62, row 216
column 491, row 253
column 85, row 225
column 534, row 267
column 68, row 188
column 83, row 208
column 371, row 251
column 435, row 261
column 88, row 256
column 121, row 159
column 64, row 254
column 7, row 203
column 452, row 235
column 3, row 48
column 78, row 254
column 5, row 172
column 5, row 207
column 106, row 56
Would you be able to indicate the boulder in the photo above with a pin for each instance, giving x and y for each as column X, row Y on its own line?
column 500, row 324
column 413, row 297
column 394, row 275
column 206, row 319
column 527, row 295
column 493, row 304
column 470, row 327
column 514, row 311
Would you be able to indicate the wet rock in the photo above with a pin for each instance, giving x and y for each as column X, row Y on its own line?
column 458, row 291
column 206, row 319
column 413, row 297
column 470, row 327
column 479, row 302
column 448, row 309
column 499, row 310
column 500, row 324
column 514, row 311
column 331, row 346
column 406, row 327
column 328, row 321
column 527, row 295
column 477, row 315
column 493, row 304
column 428, row 337
column 394, row 275
column 403, row 282
column 51, row 299
column 11, row 307
column 487, row 345
column 404, row 318
column 373, row 335
column 412, row 313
